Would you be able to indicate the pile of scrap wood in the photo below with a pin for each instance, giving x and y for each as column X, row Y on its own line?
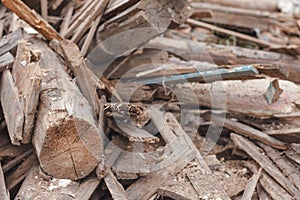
column 149, row 99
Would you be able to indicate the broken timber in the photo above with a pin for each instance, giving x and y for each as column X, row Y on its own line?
column 12, row 108
column 65, row 121
column 28, row 77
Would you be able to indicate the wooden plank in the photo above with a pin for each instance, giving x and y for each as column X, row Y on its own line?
column 32, row 18
column 65, row 119
column 115, row 188
column 12, row 108
column 265, row 163
column 246, row 130
column 35, row 185
column 250, row 189
column 27, row 75
column 3, row 192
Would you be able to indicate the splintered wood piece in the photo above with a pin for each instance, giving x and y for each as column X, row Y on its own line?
column 21, row 172
column 12, row 108
column 5, row 60
column 246, row 130
column 240, row 97
column 86, row 24
column 250, row 188
column 27, row 75
column 226, row 55
column 76, row 63
column 32, row 18
column 133, row 133
column 10, row 41
column 115, row 188
column 35, row 185
column 147, row 186
column 65, row 120
column 3, row 192
column 253, row 151
column 287, row 168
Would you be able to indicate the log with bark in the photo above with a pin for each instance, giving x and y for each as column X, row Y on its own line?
column 66, row 138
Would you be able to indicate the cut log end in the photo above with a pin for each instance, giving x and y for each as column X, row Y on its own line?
column 71, row 149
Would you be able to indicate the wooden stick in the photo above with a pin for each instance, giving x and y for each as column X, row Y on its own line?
column 32, row 18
